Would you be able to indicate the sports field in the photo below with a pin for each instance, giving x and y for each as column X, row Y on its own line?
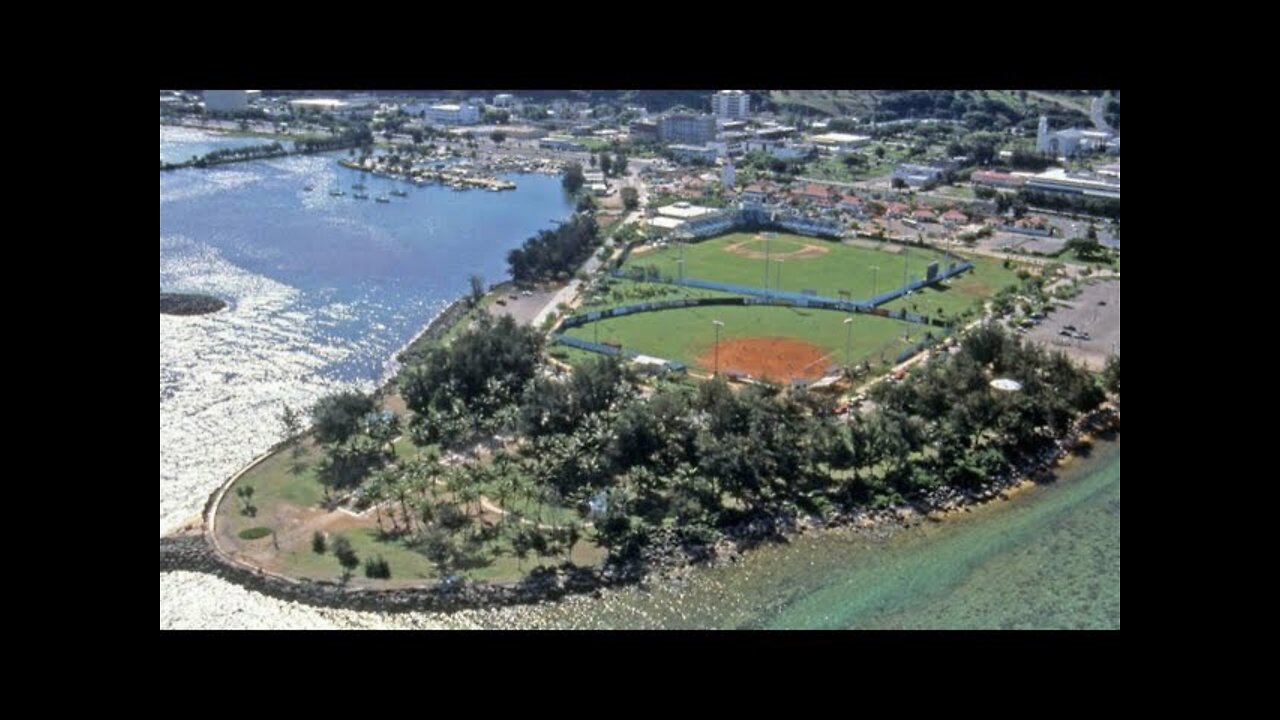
column 771, row 341
column 797, row 263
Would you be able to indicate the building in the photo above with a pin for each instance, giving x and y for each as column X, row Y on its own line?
column 451, row 114
column 693, row 152
column 952, row 218
column 643, row 131
column 916, row 175
column 731, row 105
column 504, row 100
column 840, row 142
column 755, row 193
column 560, row 142
column 853, row 205
column 997, row 179
column 727, row 175
column 226, row 100
column 815, row 193
column 686, row 128
column 684, row 211
column 1057, row 180
column 1073, row 141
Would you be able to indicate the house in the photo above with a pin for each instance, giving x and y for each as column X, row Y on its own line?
column 852, row 204
column 952, row 218
column 924, row 216
column 755, row 193
column 895, row 210
column 814, row 193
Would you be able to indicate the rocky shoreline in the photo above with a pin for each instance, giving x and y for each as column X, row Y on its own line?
column 665, row 557
column 189, row 304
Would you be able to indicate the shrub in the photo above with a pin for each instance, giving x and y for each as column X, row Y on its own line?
column 318, row 545
column 377, row 568
column 254, row 533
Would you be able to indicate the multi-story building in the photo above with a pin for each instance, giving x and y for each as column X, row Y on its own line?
column 731, row 105
column 504, row 100
column 687, row 128
column 643, row 131
column 693, row 152
column 453, row 114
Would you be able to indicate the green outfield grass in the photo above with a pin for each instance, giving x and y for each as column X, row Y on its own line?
column 688, row 333
column 841, row 267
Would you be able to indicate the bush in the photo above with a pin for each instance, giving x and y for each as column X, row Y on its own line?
column 254, row 533
column 377, row 568
column 318, row 545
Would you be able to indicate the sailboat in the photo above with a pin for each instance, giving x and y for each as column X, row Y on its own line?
column 337, row 190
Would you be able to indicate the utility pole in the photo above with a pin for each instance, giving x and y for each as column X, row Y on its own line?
column 718, row 325
column 848, row 337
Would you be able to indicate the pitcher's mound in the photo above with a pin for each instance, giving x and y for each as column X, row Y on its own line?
column 777, row 358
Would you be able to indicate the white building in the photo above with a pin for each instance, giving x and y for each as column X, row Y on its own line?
column 731, row 105
column 453, row 114
column 1072, row 141
column 840, row 142
column 226, row 100
column 727, row 175
column 504, row 100
column 916, row 175
column 693, row 152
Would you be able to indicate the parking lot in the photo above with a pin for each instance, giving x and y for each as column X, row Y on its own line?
column 1095, row 312
column 524, row 307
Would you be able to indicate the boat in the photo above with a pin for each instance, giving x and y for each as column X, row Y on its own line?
column 337, row 192
column 382, row 199
column 361, row 196
column 399, row 193
column 307, row 188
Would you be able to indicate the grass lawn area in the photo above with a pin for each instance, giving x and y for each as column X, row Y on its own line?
column 963, row 292
column 840, row 267
column 959, row 192
column 687, row 334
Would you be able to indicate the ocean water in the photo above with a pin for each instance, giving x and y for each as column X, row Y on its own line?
column 1048, row 558
column 178, row 144
column 322, row 291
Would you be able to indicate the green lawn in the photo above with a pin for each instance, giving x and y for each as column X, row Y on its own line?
column 960, row 293
column 842, row 267
column 688, row 333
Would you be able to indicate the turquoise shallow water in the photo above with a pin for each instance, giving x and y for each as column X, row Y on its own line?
column 1047, row 558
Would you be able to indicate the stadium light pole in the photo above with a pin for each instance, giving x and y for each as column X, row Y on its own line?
column 875, row 277
column 766, row 261
column 779, row 275
column 848, row 336
column 717, row 325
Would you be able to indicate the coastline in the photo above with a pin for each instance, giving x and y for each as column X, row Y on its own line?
column 666, row 559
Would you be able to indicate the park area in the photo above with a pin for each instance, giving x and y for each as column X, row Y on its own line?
column 273, row 527
column 781, row 342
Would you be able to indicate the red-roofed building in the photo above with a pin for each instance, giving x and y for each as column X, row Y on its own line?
column 997, row 179
column 952, row 218
column 895, row 209
column 852, row 204
column 924, row 216
column 755, row 192
column 814, row 193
